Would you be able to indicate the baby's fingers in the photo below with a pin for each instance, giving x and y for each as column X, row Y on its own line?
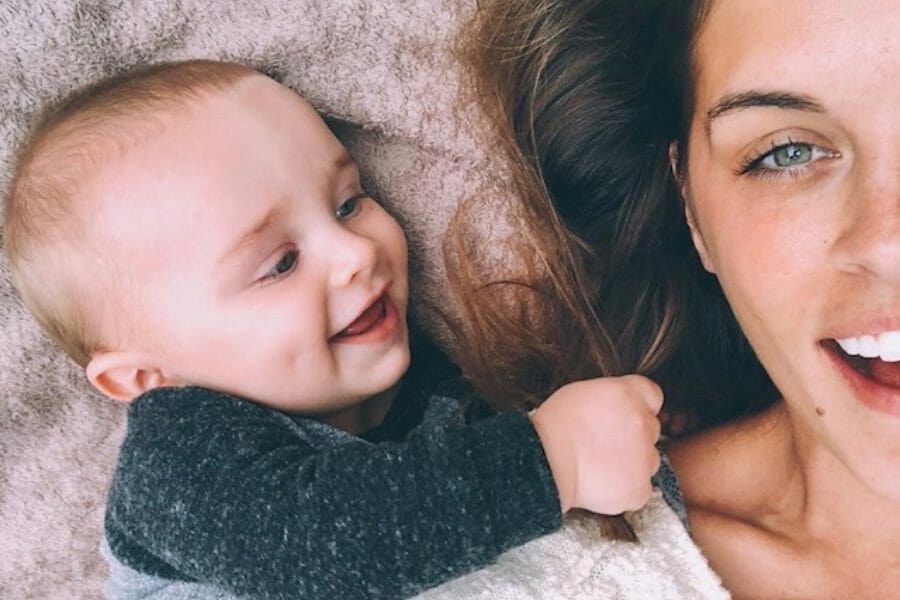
column 649, row 392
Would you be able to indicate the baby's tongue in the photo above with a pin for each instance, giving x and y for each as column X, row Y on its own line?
column 885, row 373
column 365, row 321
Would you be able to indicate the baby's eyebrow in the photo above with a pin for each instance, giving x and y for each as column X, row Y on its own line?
column 249, row 236
column 343, row 161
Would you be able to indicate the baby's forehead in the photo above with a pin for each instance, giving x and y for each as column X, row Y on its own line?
column 141, row 163
column 90, row 162
column 155, row 167
column 88, row 153
column 87, row 144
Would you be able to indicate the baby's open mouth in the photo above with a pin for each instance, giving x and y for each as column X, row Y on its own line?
column 876, row 362
column 370, row 318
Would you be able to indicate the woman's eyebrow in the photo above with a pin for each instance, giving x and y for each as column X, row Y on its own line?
column 754, row 98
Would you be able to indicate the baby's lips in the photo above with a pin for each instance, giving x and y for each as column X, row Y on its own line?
column 365, row 321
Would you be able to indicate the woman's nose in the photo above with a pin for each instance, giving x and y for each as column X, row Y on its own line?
column 870, row 242
column 352, row 257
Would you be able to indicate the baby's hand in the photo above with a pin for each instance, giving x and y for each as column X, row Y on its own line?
column 599, row 436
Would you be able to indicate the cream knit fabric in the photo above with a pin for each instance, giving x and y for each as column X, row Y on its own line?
column 577, row 564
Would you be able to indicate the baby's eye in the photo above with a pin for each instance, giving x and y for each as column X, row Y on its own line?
column 349, row 207
column 285, row 265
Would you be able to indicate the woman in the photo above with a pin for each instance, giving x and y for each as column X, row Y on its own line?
column 789, row 163
column 788, row 157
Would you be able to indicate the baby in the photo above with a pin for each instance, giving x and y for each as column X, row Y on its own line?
column 195, row 237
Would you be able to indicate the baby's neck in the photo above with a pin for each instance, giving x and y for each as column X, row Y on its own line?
column 364, row 416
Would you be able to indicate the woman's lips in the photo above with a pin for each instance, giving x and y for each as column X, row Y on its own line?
column 877, row 382
column 885, row 373
column 378, row 322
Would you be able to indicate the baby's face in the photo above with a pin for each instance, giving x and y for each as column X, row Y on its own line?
column 262, row 268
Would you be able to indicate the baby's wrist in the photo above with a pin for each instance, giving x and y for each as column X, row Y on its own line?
column 559, row 458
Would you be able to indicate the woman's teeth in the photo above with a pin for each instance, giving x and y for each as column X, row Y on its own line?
column 885, row 346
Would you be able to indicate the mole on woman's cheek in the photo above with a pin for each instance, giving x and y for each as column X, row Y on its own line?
column 820, row 411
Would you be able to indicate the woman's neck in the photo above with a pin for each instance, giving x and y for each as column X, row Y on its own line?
column 770, row 506
column 829, row 502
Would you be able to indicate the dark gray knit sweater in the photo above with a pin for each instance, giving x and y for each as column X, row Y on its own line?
column 211, row 488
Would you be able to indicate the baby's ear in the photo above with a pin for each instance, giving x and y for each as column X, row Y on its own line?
column 123, row 376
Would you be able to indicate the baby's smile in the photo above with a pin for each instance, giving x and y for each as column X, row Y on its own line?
column 378, row 322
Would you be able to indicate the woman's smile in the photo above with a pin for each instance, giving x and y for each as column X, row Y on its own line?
column 871, row 365
column 885, row 345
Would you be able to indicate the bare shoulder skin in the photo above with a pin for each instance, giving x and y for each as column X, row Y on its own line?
column 749, row 508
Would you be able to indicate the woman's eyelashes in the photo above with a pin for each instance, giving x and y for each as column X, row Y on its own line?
column 790, row 158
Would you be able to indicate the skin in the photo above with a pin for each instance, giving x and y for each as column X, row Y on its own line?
column 806, row 500
column 247, row 257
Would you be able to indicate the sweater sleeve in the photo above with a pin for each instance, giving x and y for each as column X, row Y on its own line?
column 216, row 490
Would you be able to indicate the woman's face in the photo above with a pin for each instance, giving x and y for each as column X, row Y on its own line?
column 793, row 187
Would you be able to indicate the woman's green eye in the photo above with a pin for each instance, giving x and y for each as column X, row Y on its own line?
column 348, row 207
column 792, row 158
column 790, row 155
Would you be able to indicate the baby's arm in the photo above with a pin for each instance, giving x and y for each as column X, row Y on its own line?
column 258, row 511
column 217, row 490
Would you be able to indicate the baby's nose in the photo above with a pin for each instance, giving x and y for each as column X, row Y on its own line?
column 353, row 257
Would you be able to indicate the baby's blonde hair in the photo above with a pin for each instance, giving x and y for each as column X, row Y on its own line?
column 69, row 142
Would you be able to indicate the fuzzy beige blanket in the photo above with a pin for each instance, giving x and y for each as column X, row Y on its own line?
column 386, row 67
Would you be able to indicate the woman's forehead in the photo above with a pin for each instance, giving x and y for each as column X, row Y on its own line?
column 812, row 47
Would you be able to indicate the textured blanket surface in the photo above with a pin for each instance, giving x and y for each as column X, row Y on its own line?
column 576, row 563
column 384, row 68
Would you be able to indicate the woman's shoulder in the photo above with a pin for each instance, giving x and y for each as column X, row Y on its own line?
column 732, row 479
column 725, row 468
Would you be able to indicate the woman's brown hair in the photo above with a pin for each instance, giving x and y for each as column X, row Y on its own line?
column 585, row 96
